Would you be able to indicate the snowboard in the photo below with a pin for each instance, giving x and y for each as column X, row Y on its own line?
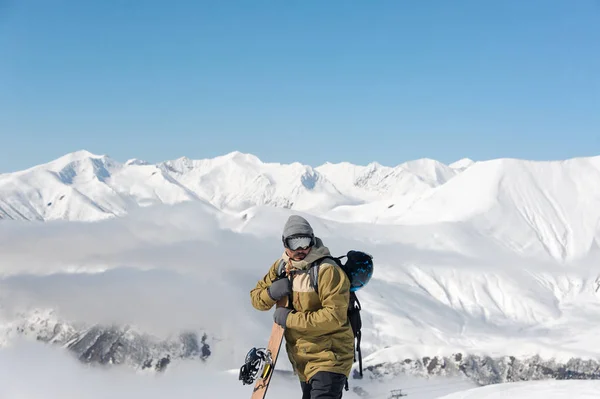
column 260, row 363
column 273, row 347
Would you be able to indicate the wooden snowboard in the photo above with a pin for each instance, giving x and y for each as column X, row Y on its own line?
column 262, row 382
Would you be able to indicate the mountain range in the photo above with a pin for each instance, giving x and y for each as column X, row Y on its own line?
column 540, row 208
column 87, row 187
column 484, row 269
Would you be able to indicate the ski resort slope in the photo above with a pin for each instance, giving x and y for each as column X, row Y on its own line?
column 532, row 390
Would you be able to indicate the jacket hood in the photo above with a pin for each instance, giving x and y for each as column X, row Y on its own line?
column 317, row 251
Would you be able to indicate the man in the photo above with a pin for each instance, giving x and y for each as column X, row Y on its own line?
column 319, row 338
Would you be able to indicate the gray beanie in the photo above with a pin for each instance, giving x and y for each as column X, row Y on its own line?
column 297, row 225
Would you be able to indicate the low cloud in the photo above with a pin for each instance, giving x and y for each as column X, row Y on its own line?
column 37, row 371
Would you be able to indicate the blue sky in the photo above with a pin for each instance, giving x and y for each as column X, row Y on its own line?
column 306, row 81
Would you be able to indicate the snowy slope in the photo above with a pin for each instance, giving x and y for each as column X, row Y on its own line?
column 532, row 390
column 540, row 208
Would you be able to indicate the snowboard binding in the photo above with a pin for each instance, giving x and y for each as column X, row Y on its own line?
column 258, row 362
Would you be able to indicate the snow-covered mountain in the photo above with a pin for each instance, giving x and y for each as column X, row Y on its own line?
column 548, row 209
column 508, row 199
column 87, row 187
column 483, row 269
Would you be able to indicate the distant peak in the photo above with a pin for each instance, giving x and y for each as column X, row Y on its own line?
column 340, row 163
column 80, row 157
column 82, row 154
column 182, row 159
column 135, row 161
column 374, row 165
column 462, row 163
column 423, row 162
column 179, row 165
column 76, row 156
column 241, row 156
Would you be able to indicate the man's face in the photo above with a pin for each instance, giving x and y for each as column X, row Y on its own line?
column 298, row 247
column 298, row 254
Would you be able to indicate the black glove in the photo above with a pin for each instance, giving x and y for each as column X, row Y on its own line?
column 280, row 316
column 279, row 289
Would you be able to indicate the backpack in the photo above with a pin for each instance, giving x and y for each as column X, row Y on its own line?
column 359, row 269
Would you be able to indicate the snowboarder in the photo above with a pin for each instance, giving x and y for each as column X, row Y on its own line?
column 318, row 335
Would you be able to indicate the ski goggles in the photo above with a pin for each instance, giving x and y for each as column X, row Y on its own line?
column 298, row 242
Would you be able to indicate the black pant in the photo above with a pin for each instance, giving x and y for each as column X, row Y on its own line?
column 324, row 385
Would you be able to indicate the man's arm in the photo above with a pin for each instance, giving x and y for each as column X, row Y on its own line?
column 259, row 296
column 334, row 291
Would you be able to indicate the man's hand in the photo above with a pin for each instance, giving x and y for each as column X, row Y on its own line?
column 280, row 316
column 279, row 289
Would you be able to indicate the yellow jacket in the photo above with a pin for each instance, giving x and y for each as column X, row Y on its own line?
column 318, row 335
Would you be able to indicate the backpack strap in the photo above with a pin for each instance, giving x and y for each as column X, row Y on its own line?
column 313, row 274
column 354, row 309
column 313, row 270
column 281, row 268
